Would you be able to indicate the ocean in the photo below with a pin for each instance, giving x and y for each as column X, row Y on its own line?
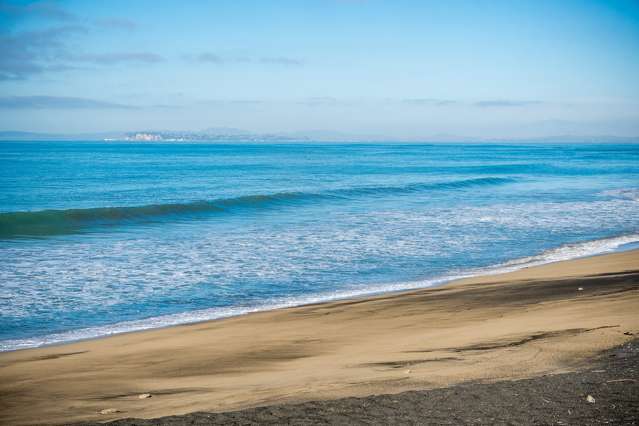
column 99, row 238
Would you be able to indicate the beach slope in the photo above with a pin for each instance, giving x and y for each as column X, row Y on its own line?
column 543, row 320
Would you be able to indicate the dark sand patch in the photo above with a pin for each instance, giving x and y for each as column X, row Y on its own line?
column 408, row 362
column 505, row 343
column 612, row 379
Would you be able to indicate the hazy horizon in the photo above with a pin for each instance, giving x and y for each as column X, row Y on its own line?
column 403, row 70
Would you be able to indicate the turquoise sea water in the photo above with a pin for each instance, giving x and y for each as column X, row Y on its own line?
column 99, row 238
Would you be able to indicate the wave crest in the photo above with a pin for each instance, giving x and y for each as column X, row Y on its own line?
column 59, row 222
column 625, row 193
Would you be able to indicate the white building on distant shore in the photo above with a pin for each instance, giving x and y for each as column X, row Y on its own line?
column 144, row 137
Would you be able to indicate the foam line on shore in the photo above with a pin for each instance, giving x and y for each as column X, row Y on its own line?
column 564, row 252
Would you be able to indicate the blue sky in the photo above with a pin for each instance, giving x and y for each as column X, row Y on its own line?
column 401, row 69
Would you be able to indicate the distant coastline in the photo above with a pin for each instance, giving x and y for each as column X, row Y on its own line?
column 242, row 136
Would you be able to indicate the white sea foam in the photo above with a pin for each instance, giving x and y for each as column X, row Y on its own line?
column 627, row 193
column 565, row 252
column 75, row 276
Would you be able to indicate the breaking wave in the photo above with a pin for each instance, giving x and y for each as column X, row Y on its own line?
column 59, row 222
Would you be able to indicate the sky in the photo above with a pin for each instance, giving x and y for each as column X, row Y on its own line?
column 394, row 69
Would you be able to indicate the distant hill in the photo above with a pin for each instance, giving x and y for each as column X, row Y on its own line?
column 33, row 136
column 20, row 136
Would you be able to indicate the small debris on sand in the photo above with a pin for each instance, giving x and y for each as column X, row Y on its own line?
column 109, row 411
column 590, row 399
column 548, row 399
column 144, row 396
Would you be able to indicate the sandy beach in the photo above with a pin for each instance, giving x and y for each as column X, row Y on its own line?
column 548, row 319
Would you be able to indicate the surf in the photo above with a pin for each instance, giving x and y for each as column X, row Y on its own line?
column 52, row 222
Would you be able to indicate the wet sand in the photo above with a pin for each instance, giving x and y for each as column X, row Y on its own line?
column 550, row 319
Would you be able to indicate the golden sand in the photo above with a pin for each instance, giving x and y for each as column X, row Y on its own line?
column 515, row 325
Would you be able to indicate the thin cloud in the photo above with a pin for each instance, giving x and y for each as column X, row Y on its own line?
column 227, row 102
column 208, row 57
column 33, row 52
column 56, row 102
column 30, row 53
column 280, row 60
column 505, row 103
column 322, row 101
column 40, row 9
column 117, row 58
column 220, row 59
column 214, row 58
column 428, row 102
column 117, row 24
column 165, row 106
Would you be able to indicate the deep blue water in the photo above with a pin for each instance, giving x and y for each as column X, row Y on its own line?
column 97, row 238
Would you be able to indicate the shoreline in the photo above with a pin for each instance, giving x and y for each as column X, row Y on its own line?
column 495, row 327
column 617, row 245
